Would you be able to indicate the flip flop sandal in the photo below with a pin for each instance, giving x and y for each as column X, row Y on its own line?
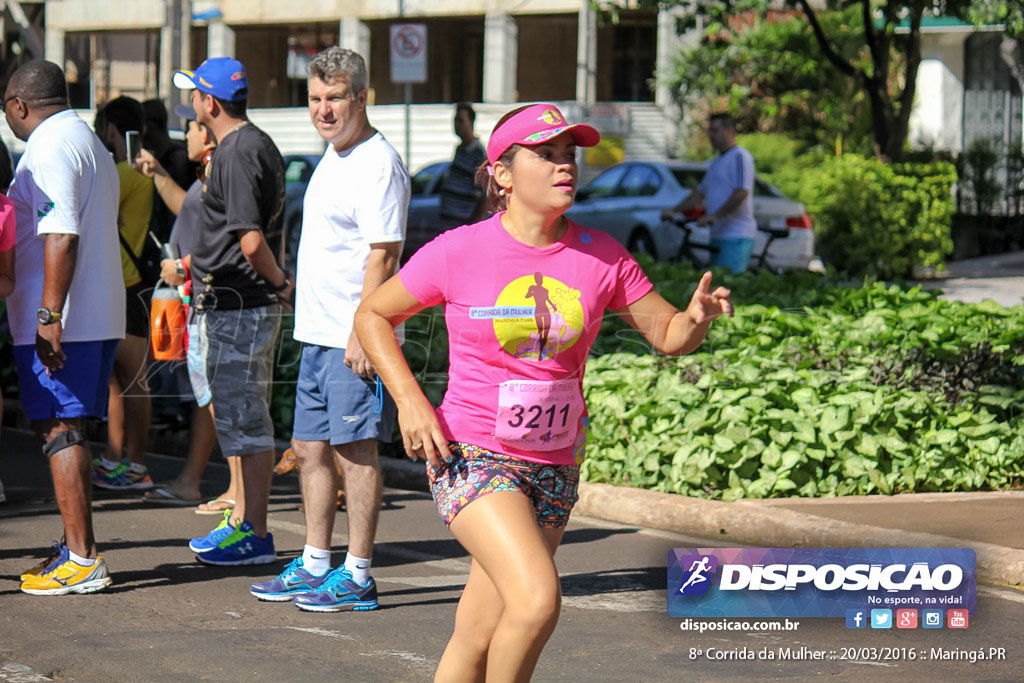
column 161, row 496
column 216, row 506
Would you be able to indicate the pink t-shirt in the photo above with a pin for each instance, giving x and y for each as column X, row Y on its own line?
column 521, row 321
column 7, row 224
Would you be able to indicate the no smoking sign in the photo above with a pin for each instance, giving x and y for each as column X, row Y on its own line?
column 408, row 53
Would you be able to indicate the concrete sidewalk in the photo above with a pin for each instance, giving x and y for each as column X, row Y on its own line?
column 999, row 278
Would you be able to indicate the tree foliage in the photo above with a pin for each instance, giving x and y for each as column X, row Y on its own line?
column 771, row 75
column 883, row 68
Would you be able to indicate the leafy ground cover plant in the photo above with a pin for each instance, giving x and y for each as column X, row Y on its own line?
column 815, row 388
column 830, row 390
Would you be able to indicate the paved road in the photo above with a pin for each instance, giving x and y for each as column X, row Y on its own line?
column 168, row 618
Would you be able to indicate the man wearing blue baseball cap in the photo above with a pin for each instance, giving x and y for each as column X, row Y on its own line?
column 238, row 291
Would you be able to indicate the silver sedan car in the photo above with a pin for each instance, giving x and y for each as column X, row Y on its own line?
column 627, row 199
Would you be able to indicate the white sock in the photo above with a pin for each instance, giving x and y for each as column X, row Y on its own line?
column 316, row 561
column 78, row 559
column 109, row 464
column 136, row 467
column 359, row 567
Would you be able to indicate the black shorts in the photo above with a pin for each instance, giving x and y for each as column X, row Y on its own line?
column 136, row 314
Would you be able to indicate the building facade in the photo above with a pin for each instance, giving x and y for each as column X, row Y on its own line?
column 477, row 50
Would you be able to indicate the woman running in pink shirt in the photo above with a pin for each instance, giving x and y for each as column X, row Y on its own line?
column 504, row 447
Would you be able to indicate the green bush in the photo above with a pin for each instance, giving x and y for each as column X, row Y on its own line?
column 873, row 218
column 771, row 151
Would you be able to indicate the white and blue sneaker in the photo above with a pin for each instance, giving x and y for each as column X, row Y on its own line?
column 201, row 544
column 242, row 546
column 294, row 580
column 339, row 592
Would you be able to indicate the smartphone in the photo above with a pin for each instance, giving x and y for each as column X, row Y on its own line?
column 133, row 144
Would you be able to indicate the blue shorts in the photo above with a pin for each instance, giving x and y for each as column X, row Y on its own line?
column 334, row 404
column 733, row 253
column 79, row 389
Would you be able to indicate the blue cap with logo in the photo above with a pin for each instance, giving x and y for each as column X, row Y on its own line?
column 222, row 77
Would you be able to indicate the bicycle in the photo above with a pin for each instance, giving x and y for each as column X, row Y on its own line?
column 688, row 245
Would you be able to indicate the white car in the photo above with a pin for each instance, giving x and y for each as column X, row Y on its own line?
column 626, row 201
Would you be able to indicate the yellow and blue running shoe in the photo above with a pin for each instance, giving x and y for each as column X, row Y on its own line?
column 41, row 567
column 202, row 544
column 63, row 576
column 242, row 546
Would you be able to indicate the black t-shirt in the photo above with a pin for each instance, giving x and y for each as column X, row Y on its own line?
column 174, row 159
column 244, row 191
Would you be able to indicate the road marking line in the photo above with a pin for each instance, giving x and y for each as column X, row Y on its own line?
column 16, row 672
column 649, row 601
column 407, row 656
column 427, row 581
column 319, row 632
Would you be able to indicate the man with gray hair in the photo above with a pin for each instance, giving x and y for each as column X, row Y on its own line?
column 353, row 227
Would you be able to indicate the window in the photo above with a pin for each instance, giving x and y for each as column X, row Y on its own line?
column 763, row 189
column 422, row 181
column 688, row 178
column 604, row 185
column 641, row 181
column 298, row 170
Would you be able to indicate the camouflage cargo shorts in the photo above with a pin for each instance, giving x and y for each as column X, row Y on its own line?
column 240, row 367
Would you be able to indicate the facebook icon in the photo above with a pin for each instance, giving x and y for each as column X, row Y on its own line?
column 856, row 618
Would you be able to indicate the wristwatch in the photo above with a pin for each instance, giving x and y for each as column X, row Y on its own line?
column 46, row 316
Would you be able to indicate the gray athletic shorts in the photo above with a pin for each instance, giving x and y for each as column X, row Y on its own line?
column 239, row 347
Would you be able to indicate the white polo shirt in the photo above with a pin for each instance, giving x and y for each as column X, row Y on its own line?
column 66, row 183
column 354, row 199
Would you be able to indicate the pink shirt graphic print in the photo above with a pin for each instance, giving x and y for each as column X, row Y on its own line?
column 521, row 321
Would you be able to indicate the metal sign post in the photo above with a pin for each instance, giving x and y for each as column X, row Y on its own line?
column 408, row 66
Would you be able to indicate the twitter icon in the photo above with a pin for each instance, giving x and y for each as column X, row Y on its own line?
column 881, row 618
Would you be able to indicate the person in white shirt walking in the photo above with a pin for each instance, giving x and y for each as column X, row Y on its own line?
column 354, row 217
column 726, row 192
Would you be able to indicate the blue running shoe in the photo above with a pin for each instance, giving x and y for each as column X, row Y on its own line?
column 242, row 546
column 213, row 539
column 289, row 583
column 339, row 592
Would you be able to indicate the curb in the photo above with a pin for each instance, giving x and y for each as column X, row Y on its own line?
column 775, row 527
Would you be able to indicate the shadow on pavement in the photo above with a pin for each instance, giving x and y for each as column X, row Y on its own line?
column 614, row 581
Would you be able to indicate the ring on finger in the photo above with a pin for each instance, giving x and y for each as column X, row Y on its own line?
column 417, row 446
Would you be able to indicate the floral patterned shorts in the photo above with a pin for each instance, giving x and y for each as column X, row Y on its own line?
column 475, row 472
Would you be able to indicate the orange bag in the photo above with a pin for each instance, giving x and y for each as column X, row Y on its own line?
column 167, row 326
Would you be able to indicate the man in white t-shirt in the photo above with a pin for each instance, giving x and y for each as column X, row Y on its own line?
column 727, row 192
column 353, row 228
column 67, row 312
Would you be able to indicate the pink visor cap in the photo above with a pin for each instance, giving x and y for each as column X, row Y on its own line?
column 534, row 125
